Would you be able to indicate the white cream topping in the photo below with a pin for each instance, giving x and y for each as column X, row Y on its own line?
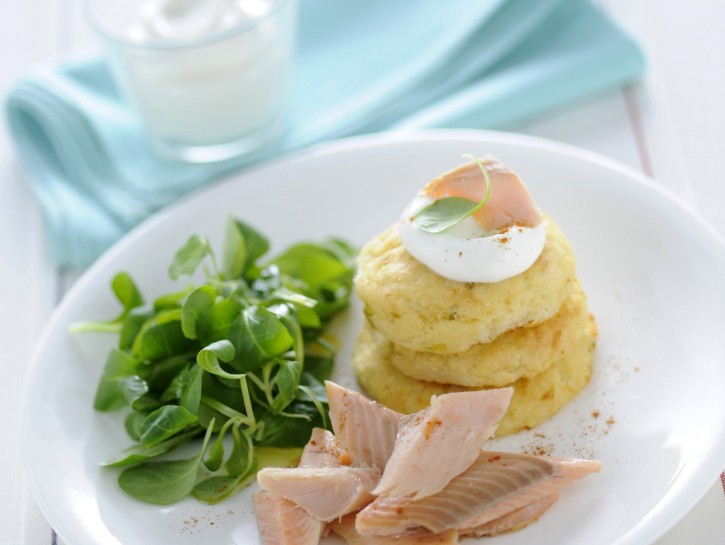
column 468, row 253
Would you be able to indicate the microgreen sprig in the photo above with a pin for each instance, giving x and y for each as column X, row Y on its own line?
column 449, row 211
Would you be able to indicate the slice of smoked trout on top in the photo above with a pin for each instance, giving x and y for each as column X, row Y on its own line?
column 510, row 202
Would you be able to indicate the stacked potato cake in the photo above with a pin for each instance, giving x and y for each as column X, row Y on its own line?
column 426, row 334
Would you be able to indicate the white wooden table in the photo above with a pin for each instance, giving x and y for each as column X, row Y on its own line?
column 671, row 126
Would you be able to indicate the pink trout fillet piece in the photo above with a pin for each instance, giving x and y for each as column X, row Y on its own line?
column 345, row 528
column 363, row 428
column 515, row 520
column 325, row 493
column 441, row 441
column 497, row 484
column 281, row 522
column 322, row 451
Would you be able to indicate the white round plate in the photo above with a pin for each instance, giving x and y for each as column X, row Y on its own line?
column 654, row 412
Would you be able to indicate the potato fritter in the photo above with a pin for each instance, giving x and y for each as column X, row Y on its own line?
column 518, row 353
column 422, row 311
column 535, row 399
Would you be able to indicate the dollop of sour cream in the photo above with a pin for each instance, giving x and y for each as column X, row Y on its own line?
column 501, row 240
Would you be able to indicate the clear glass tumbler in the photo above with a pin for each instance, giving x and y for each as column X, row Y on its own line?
column 209, row 78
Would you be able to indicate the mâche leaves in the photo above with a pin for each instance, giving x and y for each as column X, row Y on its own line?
column 197, row 304
column 258, row 335
column 444, row 213
column 126, row 291
column 313, row 265
column 242, row 247
column 161, row 337
column 191, row 388
column 215, row 489
column 127, row 294
column 237, row 359
column 189, row 257
column 120, row 382
column 138, row 453
column 164, row 482
column 132, row 324
column 210, row 357
column 214, row 324
column 241, row 459
column 286, row 381
column 164, row 423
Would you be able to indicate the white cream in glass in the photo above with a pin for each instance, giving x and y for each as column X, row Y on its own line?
column 209, row 78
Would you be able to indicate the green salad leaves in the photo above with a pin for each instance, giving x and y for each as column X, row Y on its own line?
column 236, row 363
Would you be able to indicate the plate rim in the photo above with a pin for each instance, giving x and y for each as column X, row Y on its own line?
column 639, row 534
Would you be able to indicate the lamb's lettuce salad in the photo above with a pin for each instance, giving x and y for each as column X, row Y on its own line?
column 234, row 363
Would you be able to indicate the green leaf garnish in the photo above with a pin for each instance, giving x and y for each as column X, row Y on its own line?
column 237, row 358
column 449, row 211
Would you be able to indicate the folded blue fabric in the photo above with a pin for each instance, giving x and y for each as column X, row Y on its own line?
column 361, row 67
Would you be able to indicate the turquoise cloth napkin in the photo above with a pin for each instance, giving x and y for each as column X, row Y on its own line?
column 360, row 67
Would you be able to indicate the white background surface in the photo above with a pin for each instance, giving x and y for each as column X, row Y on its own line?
column 670, row 126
